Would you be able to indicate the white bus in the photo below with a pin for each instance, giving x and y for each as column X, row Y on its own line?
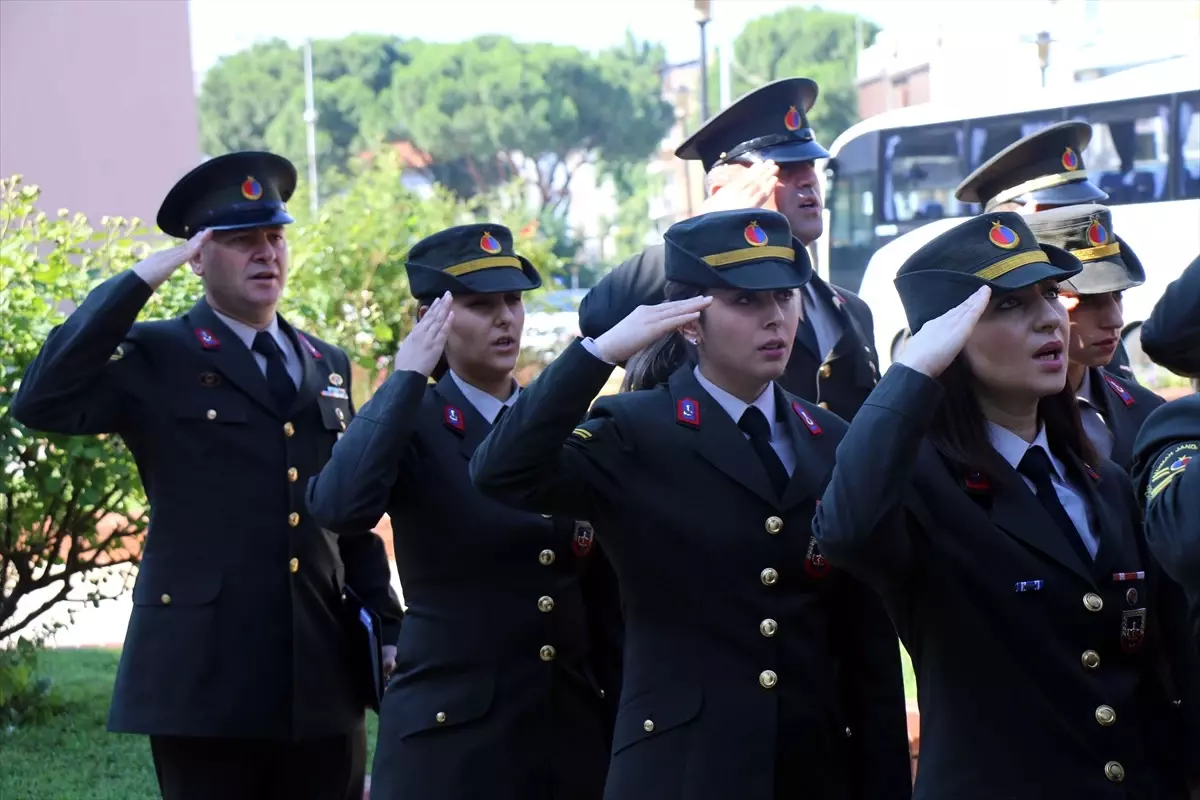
column 890, row 182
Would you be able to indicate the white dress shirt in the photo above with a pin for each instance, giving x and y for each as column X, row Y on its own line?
column 826, row 324
column 1094, row 424
column 291, row 359
column 765, row 402
column 487, row 405
column 1012, row 449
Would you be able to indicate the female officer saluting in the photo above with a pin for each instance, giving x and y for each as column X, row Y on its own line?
column 511, row 616
column 1010, row 558
column 752, row 671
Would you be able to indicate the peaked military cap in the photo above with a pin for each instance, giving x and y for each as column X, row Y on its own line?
column 1044, row 167
column 743, row 249
column 767, row 124
column 1086, row 232
column 996, row 250
column 247, row 189
column 469, row 259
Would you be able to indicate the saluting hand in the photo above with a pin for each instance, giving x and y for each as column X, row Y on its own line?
column 750, row 188
column 941, row 339
column 647, row 324
column 422, row 349
column 158, row 266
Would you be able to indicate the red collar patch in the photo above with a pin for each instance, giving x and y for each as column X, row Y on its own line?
column 207, row 340
column 806, row 418
column 977, row 482
column 1121, row 391
column 312, row 351
column 687, row 412
column 454, row 419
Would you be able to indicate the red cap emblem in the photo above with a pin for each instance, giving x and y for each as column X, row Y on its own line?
column 251, row 189
column 1070, row 160
column 1096, row 234
column 792, row 120
column 488, row 243
column 1003, row 236
column 755, row 235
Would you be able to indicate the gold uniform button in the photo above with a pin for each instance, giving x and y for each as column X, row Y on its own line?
column 211, row 413
column 546, row 557
column 545, row 604
column 768, row 627
column 767, row 679
column 1114, row 771
column 294, row 565
column 1090, row 659
column 289, row 430
column 823, row 405
column 293, row 519
column 769, row 577
column 440, row 716
column 774, row 525
column 648, row 726
column 1093, row 601
column 166, row 599
column 547, row 652
column 826, row 370
column 1106, row 716
column 293, row 474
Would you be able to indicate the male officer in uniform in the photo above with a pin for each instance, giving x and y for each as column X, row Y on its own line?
column 1111, row 408
column 237, row 659
column 1039, row 172
column 760, row 152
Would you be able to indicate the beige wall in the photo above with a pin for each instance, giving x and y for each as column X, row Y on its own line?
column 96, row 101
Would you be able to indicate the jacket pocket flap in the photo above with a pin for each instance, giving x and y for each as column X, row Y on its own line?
column 180, row 585
column 440, row 702
column 335, row 412
column 651, row 714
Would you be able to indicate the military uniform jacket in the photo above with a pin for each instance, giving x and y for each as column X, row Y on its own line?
column 751, row 670
column 1039, row 677
column 1166, row 473
column 236, row 628
column 512, row 617
column 839, row 380
column 1170, row 336
column 1124, row 404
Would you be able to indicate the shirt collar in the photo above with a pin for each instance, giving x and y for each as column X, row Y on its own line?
column 247, row 333
column 734, row 407
column 487, row 406
column 1012, row 448
column 1085, row 392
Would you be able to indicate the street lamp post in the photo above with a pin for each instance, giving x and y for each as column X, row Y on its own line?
column 310, row 120
column 703, row 15
column 1043, row 50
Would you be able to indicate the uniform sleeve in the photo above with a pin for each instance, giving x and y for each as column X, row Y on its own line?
column 540, row 457
column 352, row 490
column 860, row 520
column 370, row 576
column 637, row 282
column 1173, row 511
column 80, row 381
column 871, row 689
column 1171, row 334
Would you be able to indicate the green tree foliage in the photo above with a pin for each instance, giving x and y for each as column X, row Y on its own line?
column 801, row 42
column 70, row 506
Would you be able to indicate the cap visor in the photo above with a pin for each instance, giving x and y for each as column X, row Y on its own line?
column 1069, row 194
column 765, row 275
column 1062, row 266
column 266, row 221
column 791, row 152
column 1115, row 274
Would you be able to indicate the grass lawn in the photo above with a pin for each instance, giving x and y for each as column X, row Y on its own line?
column 72, row 756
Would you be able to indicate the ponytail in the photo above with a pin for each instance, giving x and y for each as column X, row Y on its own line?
column 654, row 364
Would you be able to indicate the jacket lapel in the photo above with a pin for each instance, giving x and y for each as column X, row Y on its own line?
column 227, row 353
column 1017, row 511
column 810, row 475
column 1087, row 481
column 1116, row 416
column 470, row 426
column 313, row 379
column 852, row 339
column 716, row 437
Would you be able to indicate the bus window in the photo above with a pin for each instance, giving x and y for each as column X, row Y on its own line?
column 921, row 168
column 1189, row 141
column 1128, row 154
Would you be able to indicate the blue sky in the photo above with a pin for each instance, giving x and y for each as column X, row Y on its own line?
column 220, row 27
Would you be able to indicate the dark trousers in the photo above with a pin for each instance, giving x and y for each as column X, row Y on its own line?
column 194, row 768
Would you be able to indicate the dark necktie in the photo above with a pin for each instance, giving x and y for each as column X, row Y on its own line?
column 499, row 415
column 754, row 423
column 807, row 332
column 1035, row 465
column 283, row 391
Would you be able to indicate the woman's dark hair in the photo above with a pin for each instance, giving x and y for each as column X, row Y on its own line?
column 959, row 430
column 655, row 363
